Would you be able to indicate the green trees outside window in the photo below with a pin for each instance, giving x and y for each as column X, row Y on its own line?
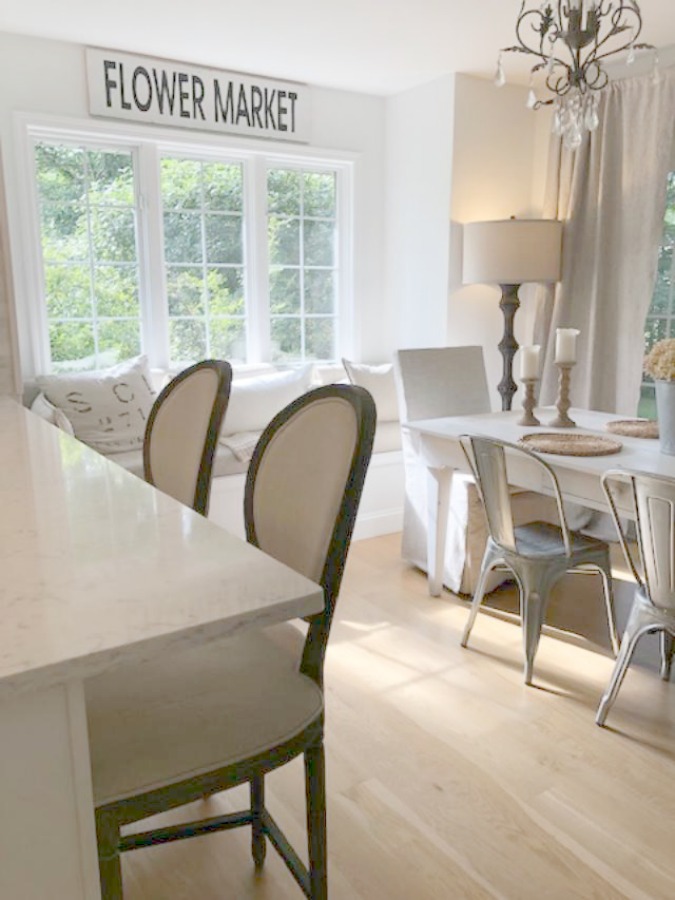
column 660, row 321
column 104, row 234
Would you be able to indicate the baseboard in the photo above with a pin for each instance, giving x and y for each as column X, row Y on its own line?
column 387, row 521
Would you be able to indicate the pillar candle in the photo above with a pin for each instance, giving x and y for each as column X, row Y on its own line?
column 529, row 362
column 566, row 345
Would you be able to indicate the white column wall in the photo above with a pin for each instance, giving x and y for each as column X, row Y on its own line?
column 419, row 166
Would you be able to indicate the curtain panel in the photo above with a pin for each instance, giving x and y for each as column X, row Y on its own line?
column 611, row 194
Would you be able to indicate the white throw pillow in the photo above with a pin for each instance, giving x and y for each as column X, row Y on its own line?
column 255, row 401
column 52, row 414
column 108, row 408
column 380, row 382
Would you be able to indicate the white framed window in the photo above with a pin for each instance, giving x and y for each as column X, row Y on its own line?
column 182, row 249
column 660, row 320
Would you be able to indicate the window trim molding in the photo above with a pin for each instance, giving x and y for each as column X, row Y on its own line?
column 147, row 143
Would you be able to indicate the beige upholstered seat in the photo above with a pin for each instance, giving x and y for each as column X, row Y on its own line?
column 182, row 432
column 537, row 553
column 653, row 608
column 173, row 730
column 433, row 383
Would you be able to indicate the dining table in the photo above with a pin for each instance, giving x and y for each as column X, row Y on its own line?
column 98, row 570
column 438, row 445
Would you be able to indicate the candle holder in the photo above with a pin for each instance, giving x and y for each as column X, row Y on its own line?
column 528, row 417
column 562, row 420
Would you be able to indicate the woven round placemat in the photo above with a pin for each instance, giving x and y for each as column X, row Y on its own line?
column 571, row 444
column 642, row 428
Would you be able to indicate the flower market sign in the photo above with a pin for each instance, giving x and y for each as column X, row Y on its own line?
column 142, row 89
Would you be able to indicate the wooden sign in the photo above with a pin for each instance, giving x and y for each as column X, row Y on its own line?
column 161, row 92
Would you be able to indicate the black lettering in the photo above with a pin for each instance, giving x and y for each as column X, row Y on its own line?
column 256, row 105
column 242, row 106
column 123, row 102
column 164, row 93
column 184, row 95
column 227, row 113
column 108, row 64
column 269, row 111
column 282, row 109
column 197, row 97
column 141, row 72
column 292, row 96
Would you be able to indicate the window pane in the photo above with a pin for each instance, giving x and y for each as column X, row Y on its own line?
column 185, row 290
column 283, row 192
column 181, row 183
column 223, row 187
column 60, row 174
column 111, row 178
column 285, row 291
column 122, row 337
column 116, row 290
column 319, row 238
column 68, row 292
column 286, row 339
column 182, row 237
column 223, row 239
column 225, row 291
column 88, row 225
column 70, row 341
column 228, row 339
column 284, row 241
column 319, row 291
column 187, row 341
column 647, row 406
column 319, row 194
column 320, row 339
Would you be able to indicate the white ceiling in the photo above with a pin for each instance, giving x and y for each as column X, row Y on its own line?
column 375, row 46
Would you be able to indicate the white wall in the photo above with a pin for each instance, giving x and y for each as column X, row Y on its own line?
column 419, row 164
column 41, row 76
column 498, row 171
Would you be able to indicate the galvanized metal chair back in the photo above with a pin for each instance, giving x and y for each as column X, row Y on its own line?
column 654, row 504
column 653, row 609
column 487, row 458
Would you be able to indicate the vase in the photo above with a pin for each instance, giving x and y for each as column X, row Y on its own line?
column 665, row 411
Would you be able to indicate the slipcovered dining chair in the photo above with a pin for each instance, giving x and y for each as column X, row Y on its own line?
column 433, row 383
column 653, row 608
column 182, row 432
column 176, row 730
column 538, row 553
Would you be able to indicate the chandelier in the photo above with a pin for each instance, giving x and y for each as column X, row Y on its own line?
column 570, row 39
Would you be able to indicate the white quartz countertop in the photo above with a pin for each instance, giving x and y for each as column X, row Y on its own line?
column 97, row 567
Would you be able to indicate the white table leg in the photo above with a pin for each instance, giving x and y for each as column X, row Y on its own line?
column 438, row 508
column 47, row 828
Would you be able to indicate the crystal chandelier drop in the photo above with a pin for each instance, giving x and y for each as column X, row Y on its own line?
column 570, row 39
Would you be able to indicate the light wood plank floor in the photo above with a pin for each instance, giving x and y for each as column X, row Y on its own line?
column 448, row 778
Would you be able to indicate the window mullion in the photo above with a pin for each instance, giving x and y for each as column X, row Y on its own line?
column 152, row 275
column 256, row 257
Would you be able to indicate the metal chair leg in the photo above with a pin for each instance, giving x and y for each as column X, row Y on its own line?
column 258, row 839
column 486, row 568
column 608, row 594
column 667, row 650
column 532, row 605
column 315, row 785
column 637, row 625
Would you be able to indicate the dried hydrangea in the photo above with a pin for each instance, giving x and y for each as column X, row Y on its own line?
column 660, row 361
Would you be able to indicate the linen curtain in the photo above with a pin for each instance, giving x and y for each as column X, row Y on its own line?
column 611, row 194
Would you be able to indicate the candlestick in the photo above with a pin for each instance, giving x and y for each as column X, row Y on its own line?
column 562, row 420
column 528, row 417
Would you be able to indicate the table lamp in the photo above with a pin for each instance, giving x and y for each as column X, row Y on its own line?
column 509, row 253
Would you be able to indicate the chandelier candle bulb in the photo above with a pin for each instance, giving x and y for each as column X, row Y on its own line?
column 566, row 346
column 529, row 362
